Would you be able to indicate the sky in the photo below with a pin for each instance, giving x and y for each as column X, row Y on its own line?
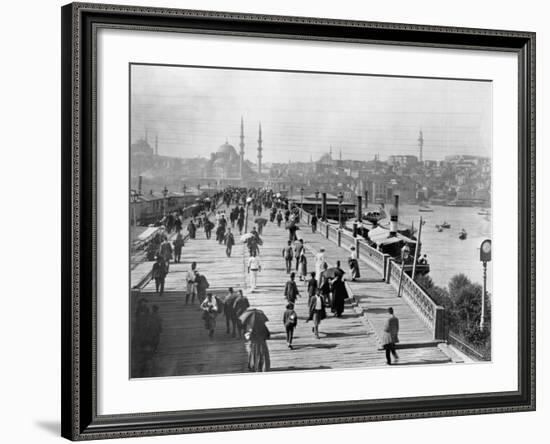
column 193, row 111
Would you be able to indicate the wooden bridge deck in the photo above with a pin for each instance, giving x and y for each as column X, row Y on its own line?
column 349, row 341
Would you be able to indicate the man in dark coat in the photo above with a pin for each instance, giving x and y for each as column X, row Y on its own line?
column 313, row 223
column 220, row 233
column 240, row 222
column 208, row 225
column 178, row 245
column 229, row 241
column 291, row 290
column 239, row 307
column 159, row 274
column 390, row 336
column 178, row 224
column 287, row 255
column 191, row 228
column 229, row 311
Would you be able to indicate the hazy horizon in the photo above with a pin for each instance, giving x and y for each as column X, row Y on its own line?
column 195, row 110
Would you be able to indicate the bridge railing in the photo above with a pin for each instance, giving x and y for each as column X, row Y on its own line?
column 376, row 259
column 432, row 314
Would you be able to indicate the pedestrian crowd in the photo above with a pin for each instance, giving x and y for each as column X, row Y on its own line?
column 325, row 286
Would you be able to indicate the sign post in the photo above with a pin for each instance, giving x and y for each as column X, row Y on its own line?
column 484, row 257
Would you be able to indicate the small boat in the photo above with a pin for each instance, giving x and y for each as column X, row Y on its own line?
column 462, row 235
column 439, row 228
column 425, row 209
column 445, row 225
column 484, row 213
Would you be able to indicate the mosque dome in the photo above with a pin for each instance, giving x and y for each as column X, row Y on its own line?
column 227, row 150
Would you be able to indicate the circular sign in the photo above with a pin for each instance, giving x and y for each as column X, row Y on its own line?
column 485, row 251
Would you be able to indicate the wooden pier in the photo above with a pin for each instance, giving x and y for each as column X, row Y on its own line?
column 350, row 341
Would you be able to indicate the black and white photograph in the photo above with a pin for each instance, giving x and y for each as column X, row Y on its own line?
column 295, row 221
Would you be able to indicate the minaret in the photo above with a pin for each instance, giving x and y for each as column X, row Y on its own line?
column 421, row 145
column 330, row 152
column 156, row 144
column 340, row 153
column 260, row 149
column 241, row 153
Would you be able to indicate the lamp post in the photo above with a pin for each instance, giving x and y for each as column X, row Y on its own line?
column 405, row 251
column 165, row 194
column 248, row 201
column 134, row 196
column 340, row 200
column 484, row 257
column 316, row 203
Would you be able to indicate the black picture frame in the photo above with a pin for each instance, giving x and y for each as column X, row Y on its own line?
column 80, row 420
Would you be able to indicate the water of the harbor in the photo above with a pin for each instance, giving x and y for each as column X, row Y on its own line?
column 447, row 254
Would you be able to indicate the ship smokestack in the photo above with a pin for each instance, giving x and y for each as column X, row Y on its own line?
column 394, row 216
column 140, row 183
column 359, row 215
column 324, row 207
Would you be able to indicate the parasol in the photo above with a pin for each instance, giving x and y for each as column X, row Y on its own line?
column 333, row 272
column 260, row 220
column 246, row 236
column 253, row 316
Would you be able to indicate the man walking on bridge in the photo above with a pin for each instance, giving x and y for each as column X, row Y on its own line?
column 299, row 246
column 287, row 255
column 191, row 283
column 291, row 290
column 390, row 337
column 253, row 267
column 229, row 241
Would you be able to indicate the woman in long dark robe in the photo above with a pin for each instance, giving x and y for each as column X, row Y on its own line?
column 258, row 357
column 339, row 295
column 192, row 229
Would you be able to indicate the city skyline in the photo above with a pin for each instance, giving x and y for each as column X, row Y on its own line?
column 304, row 114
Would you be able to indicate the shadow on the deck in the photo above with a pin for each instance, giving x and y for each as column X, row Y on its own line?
column 376, row 310
column 292, row 368
column 423, row 362
column 318, row 345
column 344, row 335
column 184, row 347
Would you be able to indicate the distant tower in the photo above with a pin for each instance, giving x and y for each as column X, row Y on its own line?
column 241, row 153
column 260, row 149
column 156, row 144
column 340, row 153
column 330, row 152
column 421, row 145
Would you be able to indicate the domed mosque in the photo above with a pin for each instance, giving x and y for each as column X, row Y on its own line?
column 229, row 167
